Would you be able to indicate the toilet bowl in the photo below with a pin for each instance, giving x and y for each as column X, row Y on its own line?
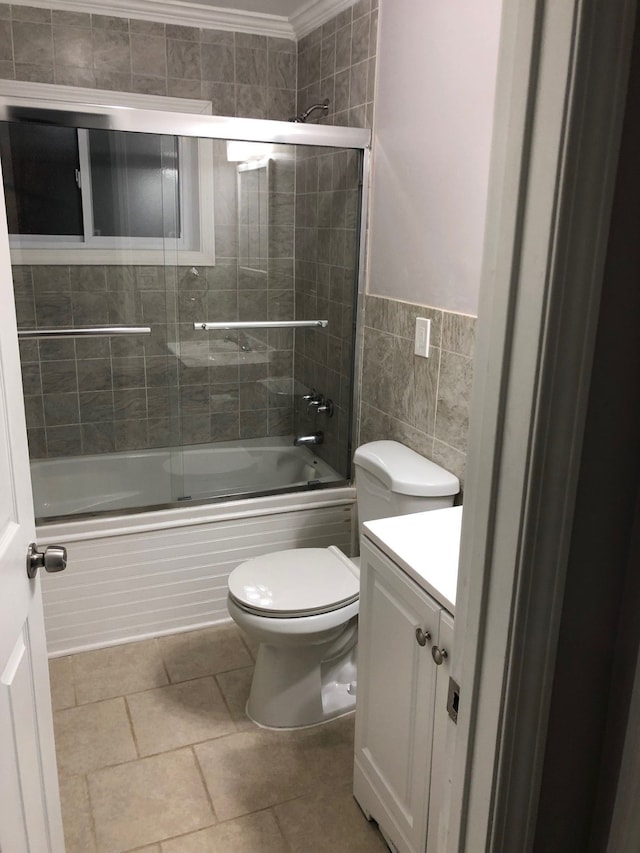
column 301, row 605
column 304, row 614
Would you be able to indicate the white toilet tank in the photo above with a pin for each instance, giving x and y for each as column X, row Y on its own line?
column 392, row 479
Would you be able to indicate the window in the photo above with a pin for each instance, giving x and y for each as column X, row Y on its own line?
column 101, row 196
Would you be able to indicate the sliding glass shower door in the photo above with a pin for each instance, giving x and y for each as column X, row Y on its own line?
column 186, row 306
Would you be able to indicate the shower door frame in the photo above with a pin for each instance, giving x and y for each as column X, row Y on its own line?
column 88, row 115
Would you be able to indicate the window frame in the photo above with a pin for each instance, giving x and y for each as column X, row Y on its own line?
column 196, row 245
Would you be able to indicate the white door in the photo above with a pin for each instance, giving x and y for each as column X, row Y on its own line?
column 29, row 801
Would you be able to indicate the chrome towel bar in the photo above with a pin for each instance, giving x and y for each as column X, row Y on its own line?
column 260, row 324
column 89, row 332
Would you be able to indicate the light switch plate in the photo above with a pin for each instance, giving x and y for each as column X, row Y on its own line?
column 423, row 335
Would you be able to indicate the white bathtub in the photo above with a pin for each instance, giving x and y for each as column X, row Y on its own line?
column 110, row 482
column 139, row 575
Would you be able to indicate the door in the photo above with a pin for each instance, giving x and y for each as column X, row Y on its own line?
column 29, row 802
column 396, row 691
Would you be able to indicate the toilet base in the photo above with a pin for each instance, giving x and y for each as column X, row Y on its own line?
column 297, row 687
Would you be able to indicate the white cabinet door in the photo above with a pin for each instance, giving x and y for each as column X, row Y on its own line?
column 394, row 712
column 29, row 806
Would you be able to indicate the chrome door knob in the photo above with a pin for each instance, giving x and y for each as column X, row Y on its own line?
column 422, row 637
column 439, row 655
column 52, row 559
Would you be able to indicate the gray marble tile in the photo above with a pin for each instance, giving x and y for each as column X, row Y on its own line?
column 198, row 429
column 224, row 426
column 7, row 70
column 30, row 13
column 145, row 85
column 34, row 73
column 98, row 437
column 176, row 31
column 34, row 411
column 358, row 84
column 281, row 104
column 183, row 88
column 58, row 376
column 148, row 55
column 117, row 81
column 31, row 382
column 37, row 441
column 94, row 374
column 217, row 37
column 251, row 67
column 110, row 22
column 425, row 377
column 64, row 440
column 72, row 46
column 221, row 95
column 451, row 460
column 6, row 46
column 70, row 19
column 403, row 402
column 96, row 406
column 361, row 30
column 281, row 70
column 183, row 59
column 218, row 63
column 458, row 333
column 343, row 48
column 251, row 41
column 32, row 43
column 149, row 28
column 90, row 309
column 454, row 391
column 111, row 51
column 131, row 435
column 60, row 409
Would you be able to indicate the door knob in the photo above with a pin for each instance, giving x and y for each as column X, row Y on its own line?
column 422, row 637
column 52, row 559
column 438, row 655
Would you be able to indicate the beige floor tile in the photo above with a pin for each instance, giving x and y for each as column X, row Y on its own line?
column 252, row 644
column 63, row 694
column 76, row 815
column 148, row 848
column 327, row 822
column 329, row 750
column 118, row 670
column 179, row 715
column 250, row 771
column 148, row 800
column 235, row 686
column 256, row 833
column 204, row 652
column 92, row 736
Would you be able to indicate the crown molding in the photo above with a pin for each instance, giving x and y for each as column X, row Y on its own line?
column 315, row 13
column 180, row 12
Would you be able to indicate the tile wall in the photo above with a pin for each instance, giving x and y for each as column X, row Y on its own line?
column 338, row 61
column 424, row 403
column 335, row 61
column 241, row 74
column 105, row 394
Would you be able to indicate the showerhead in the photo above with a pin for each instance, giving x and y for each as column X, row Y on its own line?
column 324, row 106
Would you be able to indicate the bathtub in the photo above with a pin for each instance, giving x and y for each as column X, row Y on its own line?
column 110, row 482
column 138, row 575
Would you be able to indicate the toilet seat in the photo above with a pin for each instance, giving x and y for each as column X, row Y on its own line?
column 298, row 582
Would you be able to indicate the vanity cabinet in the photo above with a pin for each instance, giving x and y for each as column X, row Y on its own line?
column 402, row 724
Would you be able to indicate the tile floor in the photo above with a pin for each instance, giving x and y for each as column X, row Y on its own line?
column 156, row 755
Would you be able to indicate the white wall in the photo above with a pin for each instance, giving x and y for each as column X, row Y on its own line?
column 433, row 118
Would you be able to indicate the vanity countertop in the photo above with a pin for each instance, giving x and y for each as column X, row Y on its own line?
column 427, row 546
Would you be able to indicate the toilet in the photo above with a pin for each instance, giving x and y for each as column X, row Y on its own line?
column 301, row 605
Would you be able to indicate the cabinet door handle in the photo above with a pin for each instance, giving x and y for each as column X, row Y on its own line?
column 422, row 637
column 438, row 655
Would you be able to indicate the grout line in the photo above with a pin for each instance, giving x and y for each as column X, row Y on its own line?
column 204, row 782
column 132, row 727
column 92, row 820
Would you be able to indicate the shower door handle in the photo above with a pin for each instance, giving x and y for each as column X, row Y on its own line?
column 52, row 559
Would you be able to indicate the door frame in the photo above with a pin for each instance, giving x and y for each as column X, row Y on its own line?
column 562, row 79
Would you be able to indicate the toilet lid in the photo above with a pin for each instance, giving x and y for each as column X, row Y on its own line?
column 303, row 581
